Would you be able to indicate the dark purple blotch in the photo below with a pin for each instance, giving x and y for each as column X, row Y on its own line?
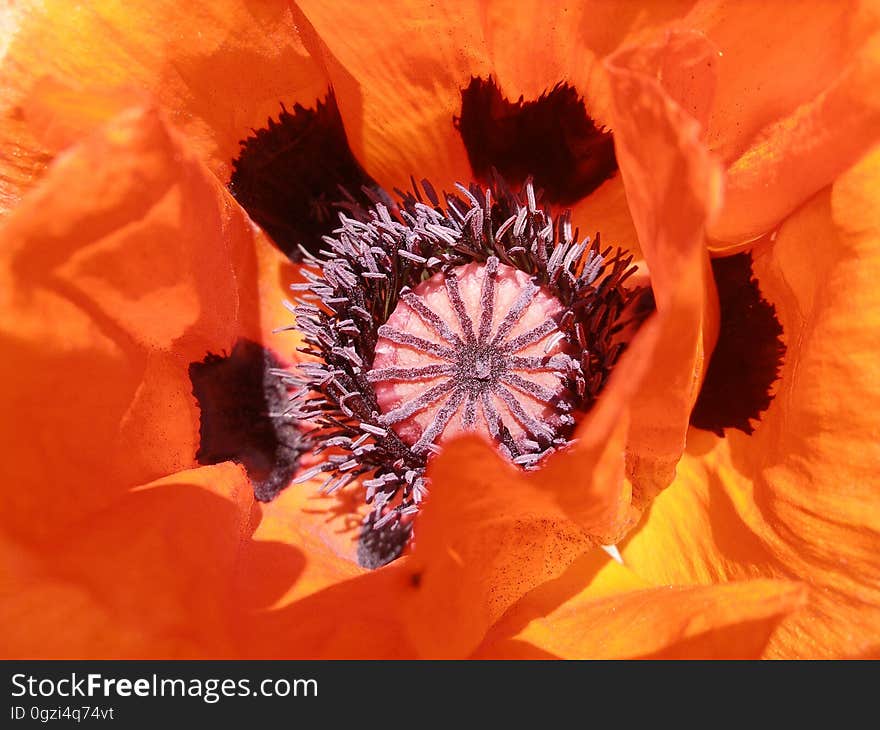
column 748, row 357
column 552, row 139
column 242, row 404
column 295, row 174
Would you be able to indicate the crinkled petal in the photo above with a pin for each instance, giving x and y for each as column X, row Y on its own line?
column 190, row 566
column 694, row 532
column 775, row 57
column 593, row 572
column 398, row 91
column 357, row 618
column 799, row 155
column 798, row 498
column 220, row 68
column 729, row 621
column 565, row 43
column 672, row 187
column 488, row 535
column 325, row 527
column 150, row 575
column 128, row 262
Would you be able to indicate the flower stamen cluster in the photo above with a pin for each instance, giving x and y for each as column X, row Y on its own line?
column 409, row 342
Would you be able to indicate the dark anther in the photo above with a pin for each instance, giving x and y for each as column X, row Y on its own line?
column 291, row 173
column 552, row 139
column 378, row 546
column 242, row 405
column 748, row 357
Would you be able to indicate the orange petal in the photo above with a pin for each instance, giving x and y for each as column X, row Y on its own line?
column 399, row 90
column 798, row 498
column 684, row 61
column 765, row 73
column 564, row 42
column 148, row 576
column 175, row 569
column 327, row 607
column 606, row 210
column 593, row 572
column 732, row 621
column 672, row 187
column 129, row 262
column 487, row 535
column 359, row 618
column 694, row 531
column 685, row 65
column 799, row 155
column 325, row 527
column 219, row 67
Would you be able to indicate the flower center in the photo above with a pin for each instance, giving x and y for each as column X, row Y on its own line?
column 477, row 312
column 475, row 349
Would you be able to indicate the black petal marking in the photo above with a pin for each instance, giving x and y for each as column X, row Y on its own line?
column 292, row 174
column 242, row 403
column 552, row 139
column 748, row 357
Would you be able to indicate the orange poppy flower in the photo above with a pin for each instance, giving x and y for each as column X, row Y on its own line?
column 144, row 508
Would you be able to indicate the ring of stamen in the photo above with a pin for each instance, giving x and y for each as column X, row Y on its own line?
column 369, row 318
